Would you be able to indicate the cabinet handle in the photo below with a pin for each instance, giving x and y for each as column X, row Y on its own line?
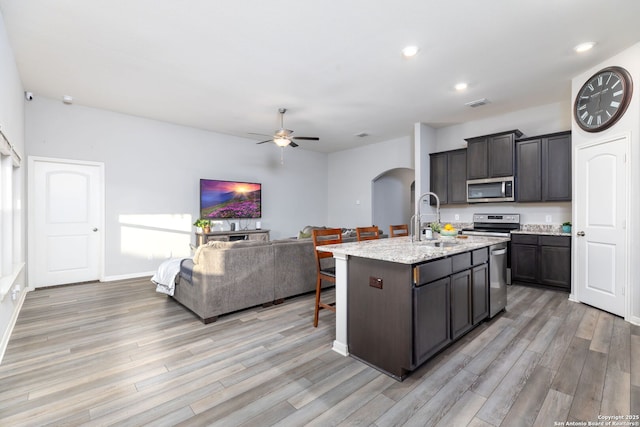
column 580, row 233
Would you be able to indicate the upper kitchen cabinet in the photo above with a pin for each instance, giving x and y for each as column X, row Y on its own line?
column 491, row 156
column 543, row 165
column 448, row 176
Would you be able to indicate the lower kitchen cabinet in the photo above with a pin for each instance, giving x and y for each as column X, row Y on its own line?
column 460, row 303
column 431, row 318
column 542, row 260
column 480, row 293
column 555, row 265
column 399, row 315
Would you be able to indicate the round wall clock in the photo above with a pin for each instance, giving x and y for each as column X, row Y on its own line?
column 603, row 99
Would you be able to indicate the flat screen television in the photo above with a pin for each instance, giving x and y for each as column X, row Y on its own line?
column 230, row 199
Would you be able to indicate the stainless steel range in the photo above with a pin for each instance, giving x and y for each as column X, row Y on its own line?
column 497, row 225
column 493, row 225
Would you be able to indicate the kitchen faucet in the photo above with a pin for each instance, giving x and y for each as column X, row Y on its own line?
column 416, row 220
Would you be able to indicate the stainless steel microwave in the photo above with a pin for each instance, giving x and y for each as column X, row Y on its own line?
column 490, row 190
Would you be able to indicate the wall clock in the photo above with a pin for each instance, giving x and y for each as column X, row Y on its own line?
column 603, row 99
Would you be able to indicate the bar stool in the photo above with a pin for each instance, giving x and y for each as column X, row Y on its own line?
column 400, row 230
column 321, row 237
column 367, row 233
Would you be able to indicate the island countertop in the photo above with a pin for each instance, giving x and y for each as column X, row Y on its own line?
column 402, row 250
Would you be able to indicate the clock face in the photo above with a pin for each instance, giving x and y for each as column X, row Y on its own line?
column 603, row 99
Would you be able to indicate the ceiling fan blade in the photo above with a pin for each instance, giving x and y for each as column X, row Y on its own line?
column 261, row 134
column 262, row 142
column 307, row 138
column 293, row 144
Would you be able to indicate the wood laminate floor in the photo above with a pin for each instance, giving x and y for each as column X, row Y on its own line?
column 120, row 354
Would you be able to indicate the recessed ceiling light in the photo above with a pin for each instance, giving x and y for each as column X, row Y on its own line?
column 583, row 47
column 461, row 86
column 410, row 51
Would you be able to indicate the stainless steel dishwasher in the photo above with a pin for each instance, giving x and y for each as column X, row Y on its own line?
column 497, row 278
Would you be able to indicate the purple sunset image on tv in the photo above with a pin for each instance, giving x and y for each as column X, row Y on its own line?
column 230, row 199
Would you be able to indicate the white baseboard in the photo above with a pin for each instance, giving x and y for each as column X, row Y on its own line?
column 12, row 324
column 127, row 276
column 634, row 320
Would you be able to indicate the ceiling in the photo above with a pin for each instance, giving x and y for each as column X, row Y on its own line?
column 227, row 66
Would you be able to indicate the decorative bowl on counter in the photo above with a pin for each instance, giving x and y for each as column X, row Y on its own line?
column 448, row 233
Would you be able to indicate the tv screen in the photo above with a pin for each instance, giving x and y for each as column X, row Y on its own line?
column 230, row 199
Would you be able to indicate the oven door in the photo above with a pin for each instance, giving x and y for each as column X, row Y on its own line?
column 490, row 190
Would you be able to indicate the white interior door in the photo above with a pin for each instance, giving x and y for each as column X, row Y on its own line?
column 65, row 217
column 601, row 225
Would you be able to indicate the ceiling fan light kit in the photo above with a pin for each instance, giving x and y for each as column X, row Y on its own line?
column 282, row 141
column 282, row 137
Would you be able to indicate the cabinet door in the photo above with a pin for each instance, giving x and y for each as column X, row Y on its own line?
column 501, row 155
column 460, row 303
column 477, row 159
column 438, row 176
column 529, row 165
column 431, row 319
column 480, row 294
column 555, row 266
column 457, row 177
column 556, row 161
column 524, row 263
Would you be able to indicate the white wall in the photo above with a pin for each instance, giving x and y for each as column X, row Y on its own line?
column 628, row 124
column 152, row 173
column 351, row 173
column 392, row 201
column 12, row 124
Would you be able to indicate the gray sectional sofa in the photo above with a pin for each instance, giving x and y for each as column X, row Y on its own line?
column 229, row 276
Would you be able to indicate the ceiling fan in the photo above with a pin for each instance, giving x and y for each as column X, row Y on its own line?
column 282, row 137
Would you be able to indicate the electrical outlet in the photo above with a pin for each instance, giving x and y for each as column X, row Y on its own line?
column 456, row 217
column 547, row 218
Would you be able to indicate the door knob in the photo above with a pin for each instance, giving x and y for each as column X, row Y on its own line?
column 95, row 229
column 580, row 233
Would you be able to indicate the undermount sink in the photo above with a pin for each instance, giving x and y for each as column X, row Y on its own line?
column 439, row 243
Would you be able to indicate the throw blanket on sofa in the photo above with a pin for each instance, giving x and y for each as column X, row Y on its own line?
column 165, row 277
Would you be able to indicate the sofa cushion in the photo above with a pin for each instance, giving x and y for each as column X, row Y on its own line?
column 223, row 245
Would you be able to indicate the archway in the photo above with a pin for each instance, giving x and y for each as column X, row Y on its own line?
column 393, row 197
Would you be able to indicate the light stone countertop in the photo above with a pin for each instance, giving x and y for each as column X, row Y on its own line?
column 542, row 233
column 403, row 251
column 542, row 229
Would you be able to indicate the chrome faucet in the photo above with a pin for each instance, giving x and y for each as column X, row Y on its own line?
column 416, row 220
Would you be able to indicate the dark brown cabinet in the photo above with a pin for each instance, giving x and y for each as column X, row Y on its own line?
column 480, row 293
column 431, row 318
column 541, row 259
column 491, row 156
column 544, row 168
column 401, row 315
column 448, row 176
column 460, row 303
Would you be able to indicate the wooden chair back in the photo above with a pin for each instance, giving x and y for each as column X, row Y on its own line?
column 400, row 230
column 326, row 236
column 322, row 237
column 367, row 233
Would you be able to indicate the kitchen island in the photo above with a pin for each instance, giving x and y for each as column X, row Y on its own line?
column 400, row 302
